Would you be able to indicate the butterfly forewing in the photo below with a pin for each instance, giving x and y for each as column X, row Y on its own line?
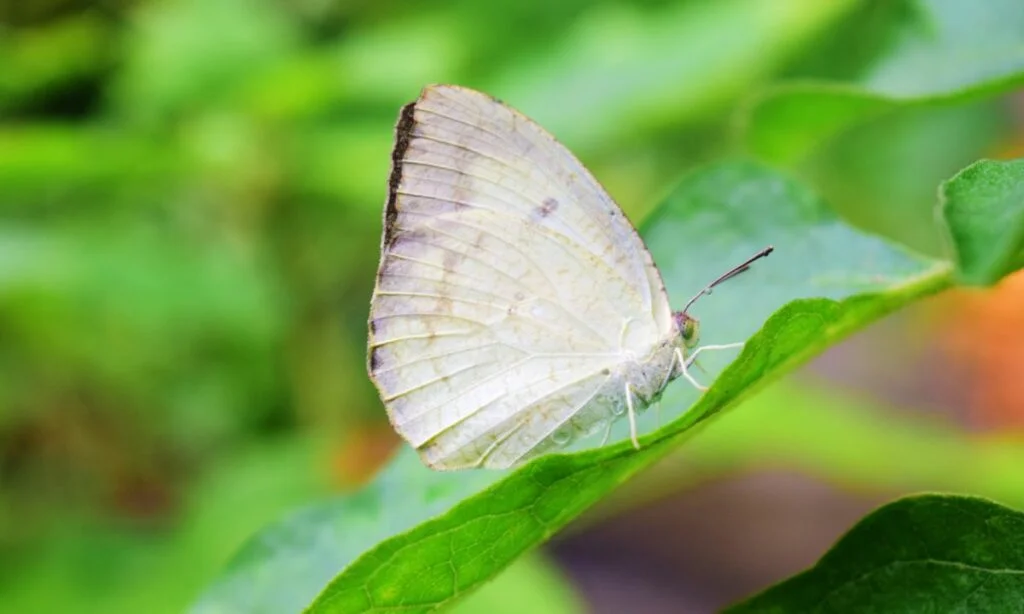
column 510, row 286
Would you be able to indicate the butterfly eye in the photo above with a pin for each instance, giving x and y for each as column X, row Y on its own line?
column 691, row 332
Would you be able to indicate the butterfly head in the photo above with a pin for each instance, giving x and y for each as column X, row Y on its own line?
column 688, row 327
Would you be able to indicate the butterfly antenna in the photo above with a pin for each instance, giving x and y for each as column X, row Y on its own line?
column 733, row 272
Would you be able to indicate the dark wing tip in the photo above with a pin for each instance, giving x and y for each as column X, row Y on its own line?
column 403, row 136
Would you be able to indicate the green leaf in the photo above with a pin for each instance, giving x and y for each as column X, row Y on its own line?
column 929, row 553
column 786, row 121
column 937, row 52
column 882, row 175
column 843, row 438
column 983, row 207
column 532, row 584
column 415, row 539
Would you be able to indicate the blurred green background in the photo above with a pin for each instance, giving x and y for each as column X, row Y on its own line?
column 190, row 198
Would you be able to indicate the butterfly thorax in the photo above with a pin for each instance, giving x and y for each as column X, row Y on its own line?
column 649, row 376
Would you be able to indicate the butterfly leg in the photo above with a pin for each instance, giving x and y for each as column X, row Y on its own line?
column 677, row 355
column 607, row 433
column 622, row 332
column 684, row 367
column 689, row 361
column 723, row 346
column 632, row 415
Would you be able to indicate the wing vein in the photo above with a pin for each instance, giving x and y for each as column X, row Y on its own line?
column 422, row 359
column 432, row 315
column 513, row 149
column 474, row 386
column 467, row 254
column 542, row 398
column 604, row 296
column 440, row 267
column 549, row 232
column 440, row 378
column 562, row 422
column 624, row 231
column 447, row 282
column 440, row 297
column 608, row 231
column 602, row 341
column 511, row 205
column 450, row 333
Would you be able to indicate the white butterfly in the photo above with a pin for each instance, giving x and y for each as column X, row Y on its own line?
column 516, row 309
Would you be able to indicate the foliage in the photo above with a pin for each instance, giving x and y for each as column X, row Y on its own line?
column 984, row 205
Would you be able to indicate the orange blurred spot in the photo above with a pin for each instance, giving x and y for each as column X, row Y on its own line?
column 985, row 335
column 366, row 448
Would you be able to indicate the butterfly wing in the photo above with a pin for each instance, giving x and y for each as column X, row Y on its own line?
column 510, row 286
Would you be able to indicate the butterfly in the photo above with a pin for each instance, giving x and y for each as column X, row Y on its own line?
column 516, row 309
